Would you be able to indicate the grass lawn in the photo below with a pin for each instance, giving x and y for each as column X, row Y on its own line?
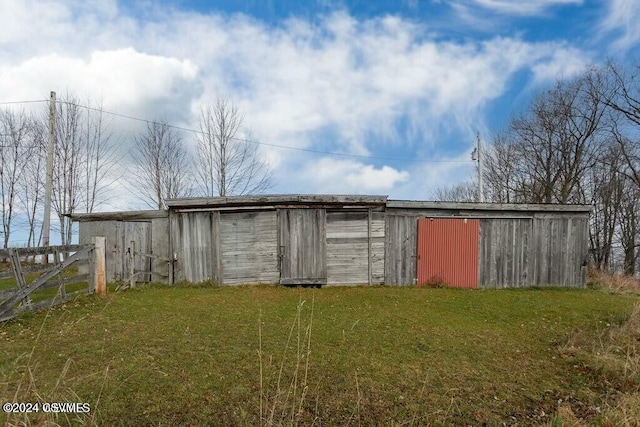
column 333, row 356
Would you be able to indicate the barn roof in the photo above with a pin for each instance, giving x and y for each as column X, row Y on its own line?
column 515, row 207
column 334, row 201
column 277, row 200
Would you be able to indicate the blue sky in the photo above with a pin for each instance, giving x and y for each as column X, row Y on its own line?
column 400, row 86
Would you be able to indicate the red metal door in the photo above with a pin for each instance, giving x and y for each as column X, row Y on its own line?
column 448, row 252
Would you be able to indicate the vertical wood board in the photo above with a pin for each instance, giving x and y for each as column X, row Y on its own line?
column 302, row 246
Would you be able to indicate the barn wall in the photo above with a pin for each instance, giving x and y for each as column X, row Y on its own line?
column 195, row 244
column 249, row 248
column 160, row 248
column 560, row 251
column 119, row 235
column 505, row 252
column 377, row 247
column 518, row 250
column 88, row 230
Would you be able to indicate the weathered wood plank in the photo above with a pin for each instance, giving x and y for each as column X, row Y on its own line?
column 400, row 252
column 23, row 292
column 119, row 216
column 293, row 199
column 302, row 244
column 42, row 250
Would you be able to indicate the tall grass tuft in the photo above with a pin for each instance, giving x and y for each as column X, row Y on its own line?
column 612, row 355
column 617, row 283
column 286, row 405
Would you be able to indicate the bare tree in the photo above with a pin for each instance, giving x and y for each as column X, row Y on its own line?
column 228, row 164
column 161, row 165
column 32, row 182
column 83, row 159
column 14, row 129
column 98, row 158
column 463, row 192
column 502, row 167
column 604, row 189
column 548, row 149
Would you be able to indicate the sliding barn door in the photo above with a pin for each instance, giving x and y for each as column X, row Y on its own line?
column 302, row 246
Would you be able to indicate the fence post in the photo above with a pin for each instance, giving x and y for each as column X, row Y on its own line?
column 99, row 273
column 132, row 264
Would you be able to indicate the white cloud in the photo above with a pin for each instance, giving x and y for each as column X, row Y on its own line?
column 524, row 8
column 124, row 80
column 563, row 63
column 352, row 177
column 622, row 19
column 336, row 84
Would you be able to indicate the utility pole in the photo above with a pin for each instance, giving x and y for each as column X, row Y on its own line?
column 477, row 156
column 46, row 223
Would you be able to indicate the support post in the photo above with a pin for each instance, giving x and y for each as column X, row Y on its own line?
column 480, row 189
column 369, row 251
column 46, row 222
column 99, row 264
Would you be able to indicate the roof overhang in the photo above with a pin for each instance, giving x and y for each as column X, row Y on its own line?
column 277, row 200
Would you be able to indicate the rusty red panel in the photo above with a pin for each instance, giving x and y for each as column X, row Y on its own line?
column 448, row 252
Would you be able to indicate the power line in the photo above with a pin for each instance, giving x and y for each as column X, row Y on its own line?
column 23, row 102
column 286, row 147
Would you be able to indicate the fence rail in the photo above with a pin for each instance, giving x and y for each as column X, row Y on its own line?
column 57, row 274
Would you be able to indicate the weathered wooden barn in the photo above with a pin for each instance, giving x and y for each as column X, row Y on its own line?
column 346, row 240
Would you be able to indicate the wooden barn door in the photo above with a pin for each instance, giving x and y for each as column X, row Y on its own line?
column 302, row 246
column 448, row 252
column 126, row 232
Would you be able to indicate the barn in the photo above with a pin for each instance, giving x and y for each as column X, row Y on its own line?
column 345, row 240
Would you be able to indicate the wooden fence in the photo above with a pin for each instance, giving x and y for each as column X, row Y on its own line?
column 80, row 267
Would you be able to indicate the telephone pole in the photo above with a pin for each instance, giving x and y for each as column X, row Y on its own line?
column 46, row 223
column 477, row 156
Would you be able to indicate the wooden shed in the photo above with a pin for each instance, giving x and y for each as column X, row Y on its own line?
column 518, row 245
column 320, row 240
column 348, row 240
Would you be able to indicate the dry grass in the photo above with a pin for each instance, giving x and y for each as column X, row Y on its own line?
column 334, row 356
column 618, row 283
column 610, row 360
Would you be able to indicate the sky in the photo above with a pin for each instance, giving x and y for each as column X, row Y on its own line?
column 344, row 96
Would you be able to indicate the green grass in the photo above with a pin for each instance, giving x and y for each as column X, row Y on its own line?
column 336, row 356
column 42, row 294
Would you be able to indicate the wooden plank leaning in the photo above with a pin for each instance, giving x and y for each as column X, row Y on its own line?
column 17, row 272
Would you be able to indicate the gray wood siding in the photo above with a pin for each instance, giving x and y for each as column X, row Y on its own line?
column 249, row 248
column 348, row 242
column 119, row 235
column 88, row 230
column 302, row 246
column 377, row 247
column 160, row 248
column 196, row 246
column 140, row 233
column 560, row 249
column 400, row 253
column 505, row 253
